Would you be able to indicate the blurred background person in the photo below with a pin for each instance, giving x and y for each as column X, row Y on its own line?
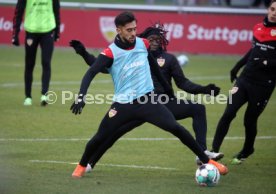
column 41, row 24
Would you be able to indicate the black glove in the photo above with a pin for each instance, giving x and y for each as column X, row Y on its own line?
column 56, row 34
column 233, row 74
column 15, row 40
column 211, row 89
column 78, row 46
column 78, row 105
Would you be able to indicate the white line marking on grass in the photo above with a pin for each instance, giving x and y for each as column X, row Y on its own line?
column 104, row 81
column 55, row 83
column 110, row 165
column 121, row 139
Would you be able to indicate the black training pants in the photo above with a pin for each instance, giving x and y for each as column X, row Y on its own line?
column 257, row 97
column 46, row 42
column 180, row 109
column 154, row 113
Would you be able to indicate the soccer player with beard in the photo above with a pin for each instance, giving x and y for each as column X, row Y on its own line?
column 129, row 63
column 170, row 68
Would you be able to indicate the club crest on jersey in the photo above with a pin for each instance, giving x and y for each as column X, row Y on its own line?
column 234, row 90
column 161, row 61
column 273, row 32
column 112, row 113
column 108, row 27
column 29, row 42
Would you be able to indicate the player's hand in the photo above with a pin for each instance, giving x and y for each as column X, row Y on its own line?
column 15, row 40
column 212, row 90
column 233, row 74
column 56, row 34
column 78, row 105
column 78, row 46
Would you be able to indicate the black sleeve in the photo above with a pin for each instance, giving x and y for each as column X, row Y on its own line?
column 56, row 9
column 101, row 63
column 90, row 59
column 18, row 15
column 181, row 81
column 156, row 71
column 242, row 61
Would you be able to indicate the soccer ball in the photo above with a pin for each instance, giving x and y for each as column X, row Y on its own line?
column 207, row 175
column 183, row 60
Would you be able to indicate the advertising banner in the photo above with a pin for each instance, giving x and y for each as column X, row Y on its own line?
column 197, row 33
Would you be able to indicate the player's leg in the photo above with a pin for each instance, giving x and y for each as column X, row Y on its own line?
column 258, row 99
column 31, row 44
column 108, row 143
column 118, row 115
column 47, row 48
column 182, row 109
column 236, row 99
column 160, row 116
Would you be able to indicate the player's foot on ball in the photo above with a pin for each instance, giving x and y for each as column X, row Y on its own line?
column 214, row 155
column 43, row 100
column 211, row 155
column 27, row 102
column 79, row 171
column 223, row 170
column 88, row 168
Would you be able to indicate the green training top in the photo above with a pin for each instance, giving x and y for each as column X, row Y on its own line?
column 39, row 16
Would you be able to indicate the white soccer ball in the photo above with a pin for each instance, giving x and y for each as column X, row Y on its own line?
column 182, row 60
column 207, row 175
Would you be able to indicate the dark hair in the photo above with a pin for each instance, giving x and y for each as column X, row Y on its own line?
column 272, row 1
column 124, row 18
column 156, row 29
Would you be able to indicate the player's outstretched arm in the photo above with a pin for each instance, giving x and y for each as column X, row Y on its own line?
column 185, row 84
column 101, row 63
column 81, row 50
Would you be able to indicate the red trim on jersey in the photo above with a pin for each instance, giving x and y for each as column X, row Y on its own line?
column 263, row 33
column 107, row 52
column 146, row 42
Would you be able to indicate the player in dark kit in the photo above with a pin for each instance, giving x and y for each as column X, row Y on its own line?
column 171, row 69
column 41, row 23
column 254, row 85
column 129, row 63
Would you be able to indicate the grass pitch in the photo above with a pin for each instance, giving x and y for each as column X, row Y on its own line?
column 39, row 144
